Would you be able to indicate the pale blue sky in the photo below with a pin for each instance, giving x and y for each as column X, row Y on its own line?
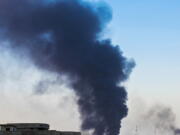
column 149, row 32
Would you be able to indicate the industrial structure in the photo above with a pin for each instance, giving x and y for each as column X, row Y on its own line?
column 31, row 129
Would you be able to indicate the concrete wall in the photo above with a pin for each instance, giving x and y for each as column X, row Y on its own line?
column 50, row 132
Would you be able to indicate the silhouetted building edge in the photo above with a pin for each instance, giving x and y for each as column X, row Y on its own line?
column 31, row 129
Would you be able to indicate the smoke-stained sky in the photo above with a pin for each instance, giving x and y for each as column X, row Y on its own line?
column 64, row 38
column 149, row 31
column 146, row 31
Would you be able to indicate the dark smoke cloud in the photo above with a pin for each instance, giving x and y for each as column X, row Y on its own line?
column 64, row 37
column 176, row 131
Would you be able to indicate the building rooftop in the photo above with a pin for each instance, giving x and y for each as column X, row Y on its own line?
column 23, row 126
column 31, row 129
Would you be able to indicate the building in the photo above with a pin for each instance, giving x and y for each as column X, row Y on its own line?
column 31, row 129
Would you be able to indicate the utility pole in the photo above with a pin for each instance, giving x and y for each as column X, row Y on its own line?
column 136, row 130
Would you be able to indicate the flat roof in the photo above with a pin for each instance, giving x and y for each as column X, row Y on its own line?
column 27, row 125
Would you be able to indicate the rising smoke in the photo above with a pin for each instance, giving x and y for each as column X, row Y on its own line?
column 162, row 119
column 64, row 37
column 156, row 119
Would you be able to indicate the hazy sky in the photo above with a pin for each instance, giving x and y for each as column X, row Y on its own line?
column 146, row 30
column 149, row 32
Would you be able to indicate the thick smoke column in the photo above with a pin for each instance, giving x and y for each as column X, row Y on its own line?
column 63, row 37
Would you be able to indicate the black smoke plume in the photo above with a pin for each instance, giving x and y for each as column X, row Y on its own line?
column 63, row 36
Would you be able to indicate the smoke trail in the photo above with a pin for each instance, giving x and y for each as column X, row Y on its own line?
column 163, row 119
column 157, row 119
column 63, row 37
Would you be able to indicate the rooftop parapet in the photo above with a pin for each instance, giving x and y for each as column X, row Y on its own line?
column 31, row 129
column 23, row 126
